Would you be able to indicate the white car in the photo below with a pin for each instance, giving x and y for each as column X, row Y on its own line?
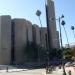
column 73, row 64
column 68, row 64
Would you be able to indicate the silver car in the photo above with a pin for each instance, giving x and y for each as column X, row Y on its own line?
column 73, row 64
column 68, row 64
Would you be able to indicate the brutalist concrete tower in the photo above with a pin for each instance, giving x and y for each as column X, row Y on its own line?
column 50, row 13
column 5, row 39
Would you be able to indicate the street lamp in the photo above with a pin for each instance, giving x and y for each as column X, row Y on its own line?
column 72, row 27
column 63, row 24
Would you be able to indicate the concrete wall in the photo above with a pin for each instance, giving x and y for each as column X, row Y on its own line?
column 36, row 34
column 20, row 39
column 43, row 36
column 29, row 31
column 5, row 39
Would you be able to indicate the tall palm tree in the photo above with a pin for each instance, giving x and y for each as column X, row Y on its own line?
column 72, row 28
column 63, row 24
column 38, row 13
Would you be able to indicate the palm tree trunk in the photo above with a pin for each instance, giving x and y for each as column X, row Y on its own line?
column 74, row 33
column 66, row 35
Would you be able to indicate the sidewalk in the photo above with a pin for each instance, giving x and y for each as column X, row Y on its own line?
column 27, row 72
column 36, row 71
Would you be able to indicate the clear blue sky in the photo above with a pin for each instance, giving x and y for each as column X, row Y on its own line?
column 27, row 9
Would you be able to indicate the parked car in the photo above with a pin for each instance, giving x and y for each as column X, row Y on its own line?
column 73, row 64
column 68, row 64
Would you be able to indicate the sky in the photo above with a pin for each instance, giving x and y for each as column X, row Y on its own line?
column 27, row 9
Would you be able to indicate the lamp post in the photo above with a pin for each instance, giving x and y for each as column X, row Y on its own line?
column 63, row 24
column 72, row 27
column 38, row 13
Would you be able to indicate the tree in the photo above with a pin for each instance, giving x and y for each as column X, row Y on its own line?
column 55, row 54
column 31, row 51
column 67, row 53
column 73, row 28
column 34, row 52
column 63, row 24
